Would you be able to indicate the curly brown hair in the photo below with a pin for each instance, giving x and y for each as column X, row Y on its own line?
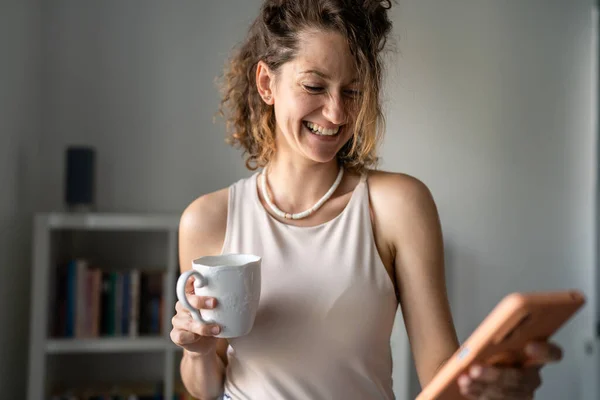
column 273, row 38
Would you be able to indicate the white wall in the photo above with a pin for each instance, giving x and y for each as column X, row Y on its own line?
column 489, row 102
column 135, row 79
column 19, row 130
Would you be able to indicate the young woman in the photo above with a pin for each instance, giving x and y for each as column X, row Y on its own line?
column 342, row 244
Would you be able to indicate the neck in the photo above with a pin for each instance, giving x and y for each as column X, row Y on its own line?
column 295, row 187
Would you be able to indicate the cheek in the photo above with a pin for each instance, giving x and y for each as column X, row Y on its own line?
column 352, row 110
column 303, row 105
column 348, row 134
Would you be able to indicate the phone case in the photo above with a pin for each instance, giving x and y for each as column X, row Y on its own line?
column 501, row 337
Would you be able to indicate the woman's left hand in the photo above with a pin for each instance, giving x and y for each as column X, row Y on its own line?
column 491, row 383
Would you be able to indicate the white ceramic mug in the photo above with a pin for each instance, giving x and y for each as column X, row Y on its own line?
column 234, row 280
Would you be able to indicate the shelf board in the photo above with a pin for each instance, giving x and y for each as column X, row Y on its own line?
column 107, row 345
column 110, row 221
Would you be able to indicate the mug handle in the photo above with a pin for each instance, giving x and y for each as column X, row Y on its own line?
column 181, row 282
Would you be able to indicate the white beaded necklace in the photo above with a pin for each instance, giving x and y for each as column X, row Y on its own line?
column 302, row 214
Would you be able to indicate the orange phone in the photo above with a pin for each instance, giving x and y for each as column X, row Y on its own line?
column 501, row 337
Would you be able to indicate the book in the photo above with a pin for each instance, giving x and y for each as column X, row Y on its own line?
column 90, row 301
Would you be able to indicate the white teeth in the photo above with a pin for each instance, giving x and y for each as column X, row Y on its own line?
column 319, row 130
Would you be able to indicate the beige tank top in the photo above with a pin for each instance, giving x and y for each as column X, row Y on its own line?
column 327, row 305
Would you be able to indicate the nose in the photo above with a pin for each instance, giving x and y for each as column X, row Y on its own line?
column 334, row 110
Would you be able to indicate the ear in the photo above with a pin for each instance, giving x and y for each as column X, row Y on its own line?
column 265, row 80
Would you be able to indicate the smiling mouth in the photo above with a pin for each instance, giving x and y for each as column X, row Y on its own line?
column 320, row 131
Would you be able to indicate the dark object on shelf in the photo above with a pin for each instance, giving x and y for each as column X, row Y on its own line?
column 80, row 178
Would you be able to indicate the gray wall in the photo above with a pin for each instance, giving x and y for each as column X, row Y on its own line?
column 19, row 134
column 137, row 81
column 488, row 102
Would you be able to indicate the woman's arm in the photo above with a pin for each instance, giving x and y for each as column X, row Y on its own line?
column 201, row 233
column 420, row 274
column 406, row 213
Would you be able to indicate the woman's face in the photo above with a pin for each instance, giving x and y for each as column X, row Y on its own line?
column 313, row 97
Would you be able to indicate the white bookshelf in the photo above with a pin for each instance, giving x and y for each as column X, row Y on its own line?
column 41, row 346
column 107, row 345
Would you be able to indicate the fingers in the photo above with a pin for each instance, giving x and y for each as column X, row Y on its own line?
column 479, row 390
column 505, row 377
column 486, row 382
column 186, row 330
column 189, row 285
column 198, row 302
column 543, row 353
column 475, row 390
column 469, row 388
column 183, row 320
column 183, row 338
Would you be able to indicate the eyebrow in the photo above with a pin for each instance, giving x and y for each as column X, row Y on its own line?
column 314, row 71
column 322, row 74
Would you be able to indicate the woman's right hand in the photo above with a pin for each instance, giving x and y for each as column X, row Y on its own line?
column 194, row 336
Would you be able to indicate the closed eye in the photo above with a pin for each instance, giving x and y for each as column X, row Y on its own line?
column 352, row 93
column 313, row 89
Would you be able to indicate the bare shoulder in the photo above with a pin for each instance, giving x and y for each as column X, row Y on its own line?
column 396, row 194
column 404, row 214
column 209, row 209
column 202, row 227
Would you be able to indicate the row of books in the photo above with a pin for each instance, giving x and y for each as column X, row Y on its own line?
column 143, row 391
column 90, row 301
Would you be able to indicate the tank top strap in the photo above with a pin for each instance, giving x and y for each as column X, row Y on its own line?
column 239, row 209
column 362, row 194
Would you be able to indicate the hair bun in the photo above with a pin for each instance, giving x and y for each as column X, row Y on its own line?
column 270, row 11
column 377, row 20
column 377, row 5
